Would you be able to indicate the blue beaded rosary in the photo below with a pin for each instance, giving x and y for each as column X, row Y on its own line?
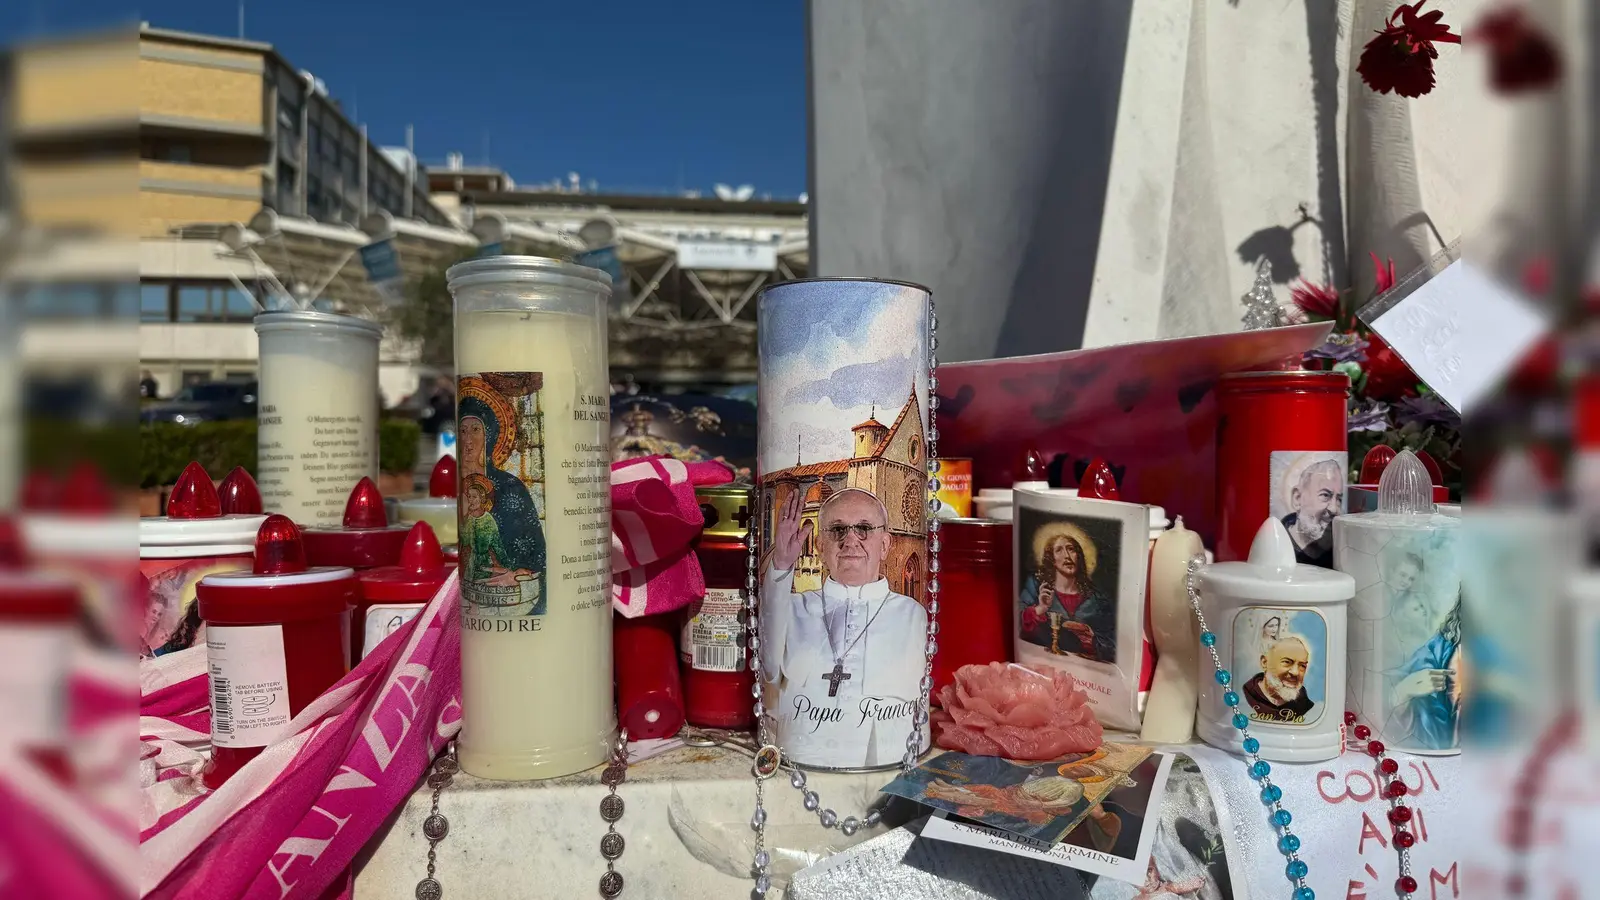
column 1394, row 788
column 1260, row 769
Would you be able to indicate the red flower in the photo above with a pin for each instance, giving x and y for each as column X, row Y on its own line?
column 1383, row 276
column 1316, row 301
column 1400, row 58
column 1521, row 57
column 1388, row 376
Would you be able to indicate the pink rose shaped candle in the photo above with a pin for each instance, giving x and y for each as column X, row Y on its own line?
column 1003, row 709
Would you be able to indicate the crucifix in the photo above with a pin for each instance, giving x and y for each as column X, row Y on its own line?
column 833, row 678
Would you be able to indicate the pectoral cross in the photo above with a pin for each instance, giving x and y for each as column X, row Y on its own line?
column 833, row 678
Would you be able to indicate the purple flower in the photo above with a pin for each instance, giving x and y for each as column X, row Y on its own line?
column 1369, row 415
column 1340, row 347
column 1427, row 409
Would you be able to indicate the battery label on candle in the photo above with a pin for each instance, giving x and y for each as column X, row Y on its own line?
column 713, row 639
column 249, row 684
column 385, row 619
column 1305, row 494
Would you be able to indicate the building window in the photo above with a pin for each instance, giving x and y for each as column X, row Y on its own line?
column 196, row 376
column 155, row 303
column 179, row 153
column 213, row 302
column 911, row 505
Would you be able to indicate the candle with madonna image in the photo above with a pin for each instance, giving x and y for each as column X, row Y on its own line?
column 534, row 516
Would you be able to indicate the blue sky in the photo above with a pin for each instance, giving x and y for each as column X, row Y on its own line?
column 639, row 96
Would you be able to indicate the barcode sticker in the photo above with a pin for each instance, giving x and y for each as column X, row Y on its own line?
column 717, row 659
column 713, row 639
column 249, row 685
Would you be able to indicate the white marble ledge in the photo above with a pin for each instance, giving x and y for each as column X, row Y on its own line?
column 687, row 827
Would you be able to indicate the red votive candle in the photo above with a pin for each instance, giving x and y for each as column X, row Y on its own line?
column 197, row 537
column 391, row 596
column 276, row 638
column 977, row 591
column 712, row 649
column 1266, row 423
column 366, row 540
column 649, row 696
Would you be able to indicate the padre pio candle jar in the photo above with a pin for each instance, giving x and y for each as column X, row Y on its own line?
column 844, row 513
column 1281, row 452
column 1279, row 629
column 534, row 516
column 316, row 411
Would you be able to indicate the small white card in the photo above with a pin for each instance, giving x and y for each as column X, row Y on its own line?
column 1105, row 855
column 1461, row 332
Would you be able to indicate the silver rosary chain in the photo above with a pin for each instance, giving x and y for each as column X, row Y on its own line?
column 848, row 825
column 435, row 827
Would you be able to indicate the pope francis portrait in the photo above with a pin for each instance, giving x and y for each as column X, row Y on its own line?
column 847, row 659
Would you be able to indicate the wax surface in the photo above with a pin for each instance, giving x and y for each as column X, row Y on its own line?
column 317, row 420
column 536, row 673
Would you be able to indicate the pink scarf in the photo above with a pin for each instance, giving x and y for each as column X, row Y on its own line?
column 290, row 823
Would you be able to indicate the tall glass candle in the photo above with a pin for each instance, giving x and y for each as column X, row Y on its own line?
column 316, row 412
column 534, row 529
column 843, row 462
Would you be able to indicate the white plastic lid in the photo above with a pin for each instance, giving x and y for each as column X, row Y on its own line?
column 1158, row 519
column 160, row 531
column 1271, row 574
column 97, row 536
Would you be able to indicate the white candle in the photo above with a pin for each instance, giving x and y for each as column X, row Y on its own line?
column 316, row 412
column 1280, row 632
column 533, row 410
column 1405, row 620
column 1169, row 712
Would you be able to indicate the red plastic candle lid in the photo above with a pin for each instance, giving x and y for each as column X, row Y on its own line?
column 422, row 570
column 442, row 483
column 1032, row 466
column 1099, row 483
column 365, row 540
column 40, row 491
column 194, row 496
column 86, row 493
column 1376, row 460
column 196, row 523
column 239, row 494
column 281, row 587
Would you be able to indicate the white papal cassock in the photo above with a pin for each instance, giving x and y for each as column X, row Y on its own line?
column 803, row 635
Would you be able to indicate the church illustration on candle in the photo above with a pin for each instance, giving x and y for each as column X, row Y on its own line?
column 888, row 462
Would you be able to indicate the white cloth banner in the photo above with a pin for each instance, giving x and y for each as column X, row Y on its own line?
column 1343, row 825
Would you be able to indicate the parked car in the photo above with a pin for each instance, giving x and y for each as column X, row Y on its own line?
column 213, row 401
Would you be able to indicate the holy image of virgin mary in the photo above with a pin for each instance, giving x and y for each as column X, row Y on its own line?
column 485, row 434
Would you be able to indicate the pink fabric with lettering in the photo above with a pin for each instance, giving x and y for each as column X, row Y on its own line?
column 289, row 824
column 654, row 517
